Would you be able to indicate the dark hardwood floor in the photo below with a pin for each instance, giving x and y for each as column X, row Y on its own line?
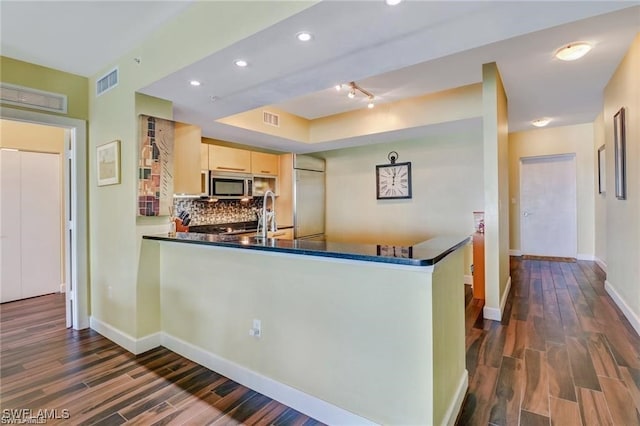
column 81, row 378
column 564, row 354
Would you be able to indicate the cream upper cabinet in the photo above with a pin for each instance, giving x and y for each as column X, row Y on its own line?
column 186, row 159
column 204, row 156
column 225, row 159
column 264, row 164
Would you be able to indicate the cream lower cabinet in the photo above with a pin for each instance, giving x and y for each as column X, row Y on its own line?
column 30, row 224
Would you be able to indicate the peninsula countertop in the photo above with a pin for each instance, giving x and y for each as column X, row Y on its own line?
column 425, row 253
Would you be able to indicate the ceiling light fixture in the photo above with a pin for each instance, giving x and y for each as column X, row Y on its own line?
column 392, row 2
column 303, row 36
column 338, row 87
column 541, row 122
column 573, row 51
column 353, row 88
column 241, row 63
column 194, row 83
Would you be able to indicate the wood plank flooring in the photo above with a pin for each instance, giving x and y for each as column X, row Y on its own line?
column 563, row 354
column 44, row 366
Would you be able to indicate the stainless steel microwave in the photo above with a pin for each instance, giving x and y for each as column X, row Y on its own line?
column 230, row 185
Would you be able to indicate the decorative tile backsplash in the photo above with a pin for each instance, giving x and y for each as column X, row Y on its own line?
column 221, row 211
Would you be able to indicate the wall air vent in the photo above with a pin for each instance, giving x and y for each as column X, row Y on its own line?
column 27, row 97
column 107, row 82
column 271, row 119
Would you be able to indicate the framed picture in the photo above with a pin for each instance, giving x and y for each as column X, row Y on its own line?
column 602, row 174
column 393, row 181
column 619, row 155
column 108, row 163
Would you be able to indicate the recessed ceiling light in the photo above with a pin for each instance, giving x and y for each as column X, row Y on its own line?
column 303, row 36
column 241, row 63
column 541, row 122
column 338, row 87
column 392, row 2
column 573, row 51
column 194, row 83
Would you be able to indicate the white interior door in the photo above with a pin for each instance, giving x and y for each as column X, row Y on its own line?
column 548, row 213
column 10, row 246
column 41, row 224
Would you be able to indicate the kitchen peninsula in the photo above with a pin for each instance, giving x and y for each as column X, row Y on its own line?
column 347, row 333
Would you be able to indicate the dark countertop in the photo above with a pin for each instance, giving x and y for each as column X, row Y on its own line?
column 423, row 254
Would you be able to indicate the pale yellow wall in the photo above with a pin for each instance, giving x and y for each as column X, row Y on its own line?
column 366, row 329
column 38, row 138
column 623, row 216
column 578, row 140
column 447, row 183
column 496, row 187
column 600, row 204
column 446, row 106
column 291, row 126
column 114, row 228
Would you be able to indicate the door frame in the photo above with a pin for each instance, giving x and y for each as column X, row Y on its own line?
column 569, row 155
column 76, row 197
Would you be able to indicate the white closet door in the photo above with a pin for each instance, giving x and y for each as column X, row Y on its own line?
column 10, row 247
column 548, row 220
column 41, row 223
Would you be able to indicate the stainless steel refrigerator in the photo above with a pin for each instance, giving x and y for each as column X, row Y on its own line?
column 308, row 197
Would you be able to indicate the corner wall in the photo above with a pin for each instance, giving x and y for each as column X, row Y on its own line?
column 623, row 216
column 496, row 192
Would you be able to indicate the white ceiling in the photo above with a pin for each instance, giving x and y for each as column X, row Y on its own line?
column 415, row 48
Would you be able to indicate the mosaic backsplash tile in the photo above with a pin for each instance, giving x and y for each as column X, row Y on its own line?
column 222, row 211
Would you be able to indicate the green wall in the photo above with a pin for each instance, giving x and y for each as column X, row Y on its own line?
column 42, row 78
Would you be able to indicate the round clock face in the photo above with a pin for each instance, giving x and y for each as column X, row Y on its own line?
column 394, row 181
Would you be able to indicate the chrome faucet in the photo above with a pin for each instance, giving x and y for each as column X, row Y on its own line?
column 267, row 217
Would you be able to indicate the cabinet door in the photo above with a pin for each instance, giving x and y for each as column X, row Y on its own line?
column 222, row 158
column 204, row 156
column 186, row 159
column 264, row 164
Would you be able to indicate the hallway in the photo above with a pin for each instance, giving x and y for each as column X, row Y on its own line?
column 564, row 354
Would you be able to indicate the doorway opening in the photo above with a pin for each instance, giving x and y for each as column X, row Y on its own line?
column 75, row 221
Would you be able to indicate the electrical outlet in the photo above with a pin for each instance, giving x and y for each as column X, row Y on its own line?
column 256, row 330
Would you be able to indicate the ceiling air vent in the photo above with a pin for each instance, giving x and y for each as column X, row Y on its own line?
column 271, row 119
column 32, row 98
column 107, row 82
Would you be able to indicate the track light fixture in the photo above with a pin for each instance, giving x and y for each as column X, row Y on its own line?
column 353, row 89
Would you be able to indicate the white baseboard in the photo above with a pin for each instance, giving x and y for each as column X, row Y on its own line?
column 602, row 264
column 130, row 343
column 456, row 403
column 582, row 256
column 626, row 310
column 468, row 279
column 494, row 313
column 307, row 404
column 515, row 253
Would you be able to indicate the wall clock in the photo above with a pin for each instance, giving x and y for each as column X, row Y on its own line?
column 393, row 181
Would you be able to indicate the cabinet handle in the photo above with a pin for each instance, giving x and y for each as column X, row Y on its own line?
column 265, row 171
column 232, row 168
